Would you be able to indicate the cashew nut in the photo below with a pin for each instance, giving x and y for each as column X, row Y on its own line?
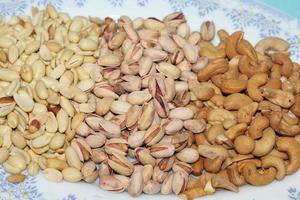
column 292, row 148
column 264, row 145
column 257, row 177
column 249, row 68
column 244, row 144
column 212, row 133
column 202, row 92
column 212, row 151
column 276, row 162
column 296, row 107
column 284, row 124
column 234, row 176
column 236, row 130
column 219, row 115
column 254, row 83
column 210, row 51
column 278, row 154
column 213, row 165
column 273, row 43
column 245, row 113
column 232, row 42
column 214, row 67
column 258, row 124
column 236, row 101
column 279, row 97
column 230, row 86
column 284, row 60
column 244, row 47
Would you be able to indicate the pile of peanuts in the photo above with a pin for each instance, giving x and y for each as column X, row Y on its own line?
column 145, row 105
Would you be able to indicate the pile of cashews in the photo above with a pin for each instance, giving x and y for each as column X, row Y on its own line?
column 251, row 103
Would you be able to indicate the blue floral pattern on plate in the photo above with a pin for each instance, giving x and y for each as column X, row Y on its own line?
column 238, row 14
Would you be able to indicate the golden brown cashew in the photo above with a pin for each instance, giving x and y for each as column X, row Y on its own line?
column 249, row 68
column 288, row 129
column 284, row 124
column 214, row 67
column 245, row 113
column 219, row 115
column 223, row 35
column 296, row 107
column 230, row 86
column 279, row 97
column 264, row 145
column 292, row 148
column 212, row 133
column 232, row 42
column 271, row 43
column 266, row 107
column 234, row 176
column 236, row 130
column 273, row 83
column 210, row 51
column 284, row 60
column 258, row 178
column 236, row 101
column 275, row 118
column 222, row 182
column 233, row 71
column 254, row 83
column 273, row 161
column 218, row 100
column 201, row 91
column 279, row 154
column 244, row 144
column 244, row 47
column 258, row 124
column 213, row 165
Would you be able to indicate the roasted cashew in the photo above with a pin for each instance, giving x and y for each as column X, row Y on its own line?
column 244, row 144
column 236, row 101
column 296, row 107
column 212, row 151
column 284, row 60
column 219, row 115
column 223, row 35
column 212, row 133
column 230, row 86
column 214, row 67
column 210, row 51
column 236, row 130
column 213, row 165
column 284, row 124
column 271, row 43
column 278, row 154
column 279, row 97
column 292, row 148
column 232, row 42
column 258, row 124
column 273, row 161
column 202, row 92
column 264, row 145
column 258, row 178
column 273, row 83
column 234, row 176
column 248, row 68
column 288, row 129
column 218, row 100
column 246, row 112
column 254, row 83
column 244, row 47
column 275, row 118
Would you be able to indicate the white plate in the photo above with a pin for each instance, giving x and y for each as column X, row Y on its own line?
column 255, row 19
